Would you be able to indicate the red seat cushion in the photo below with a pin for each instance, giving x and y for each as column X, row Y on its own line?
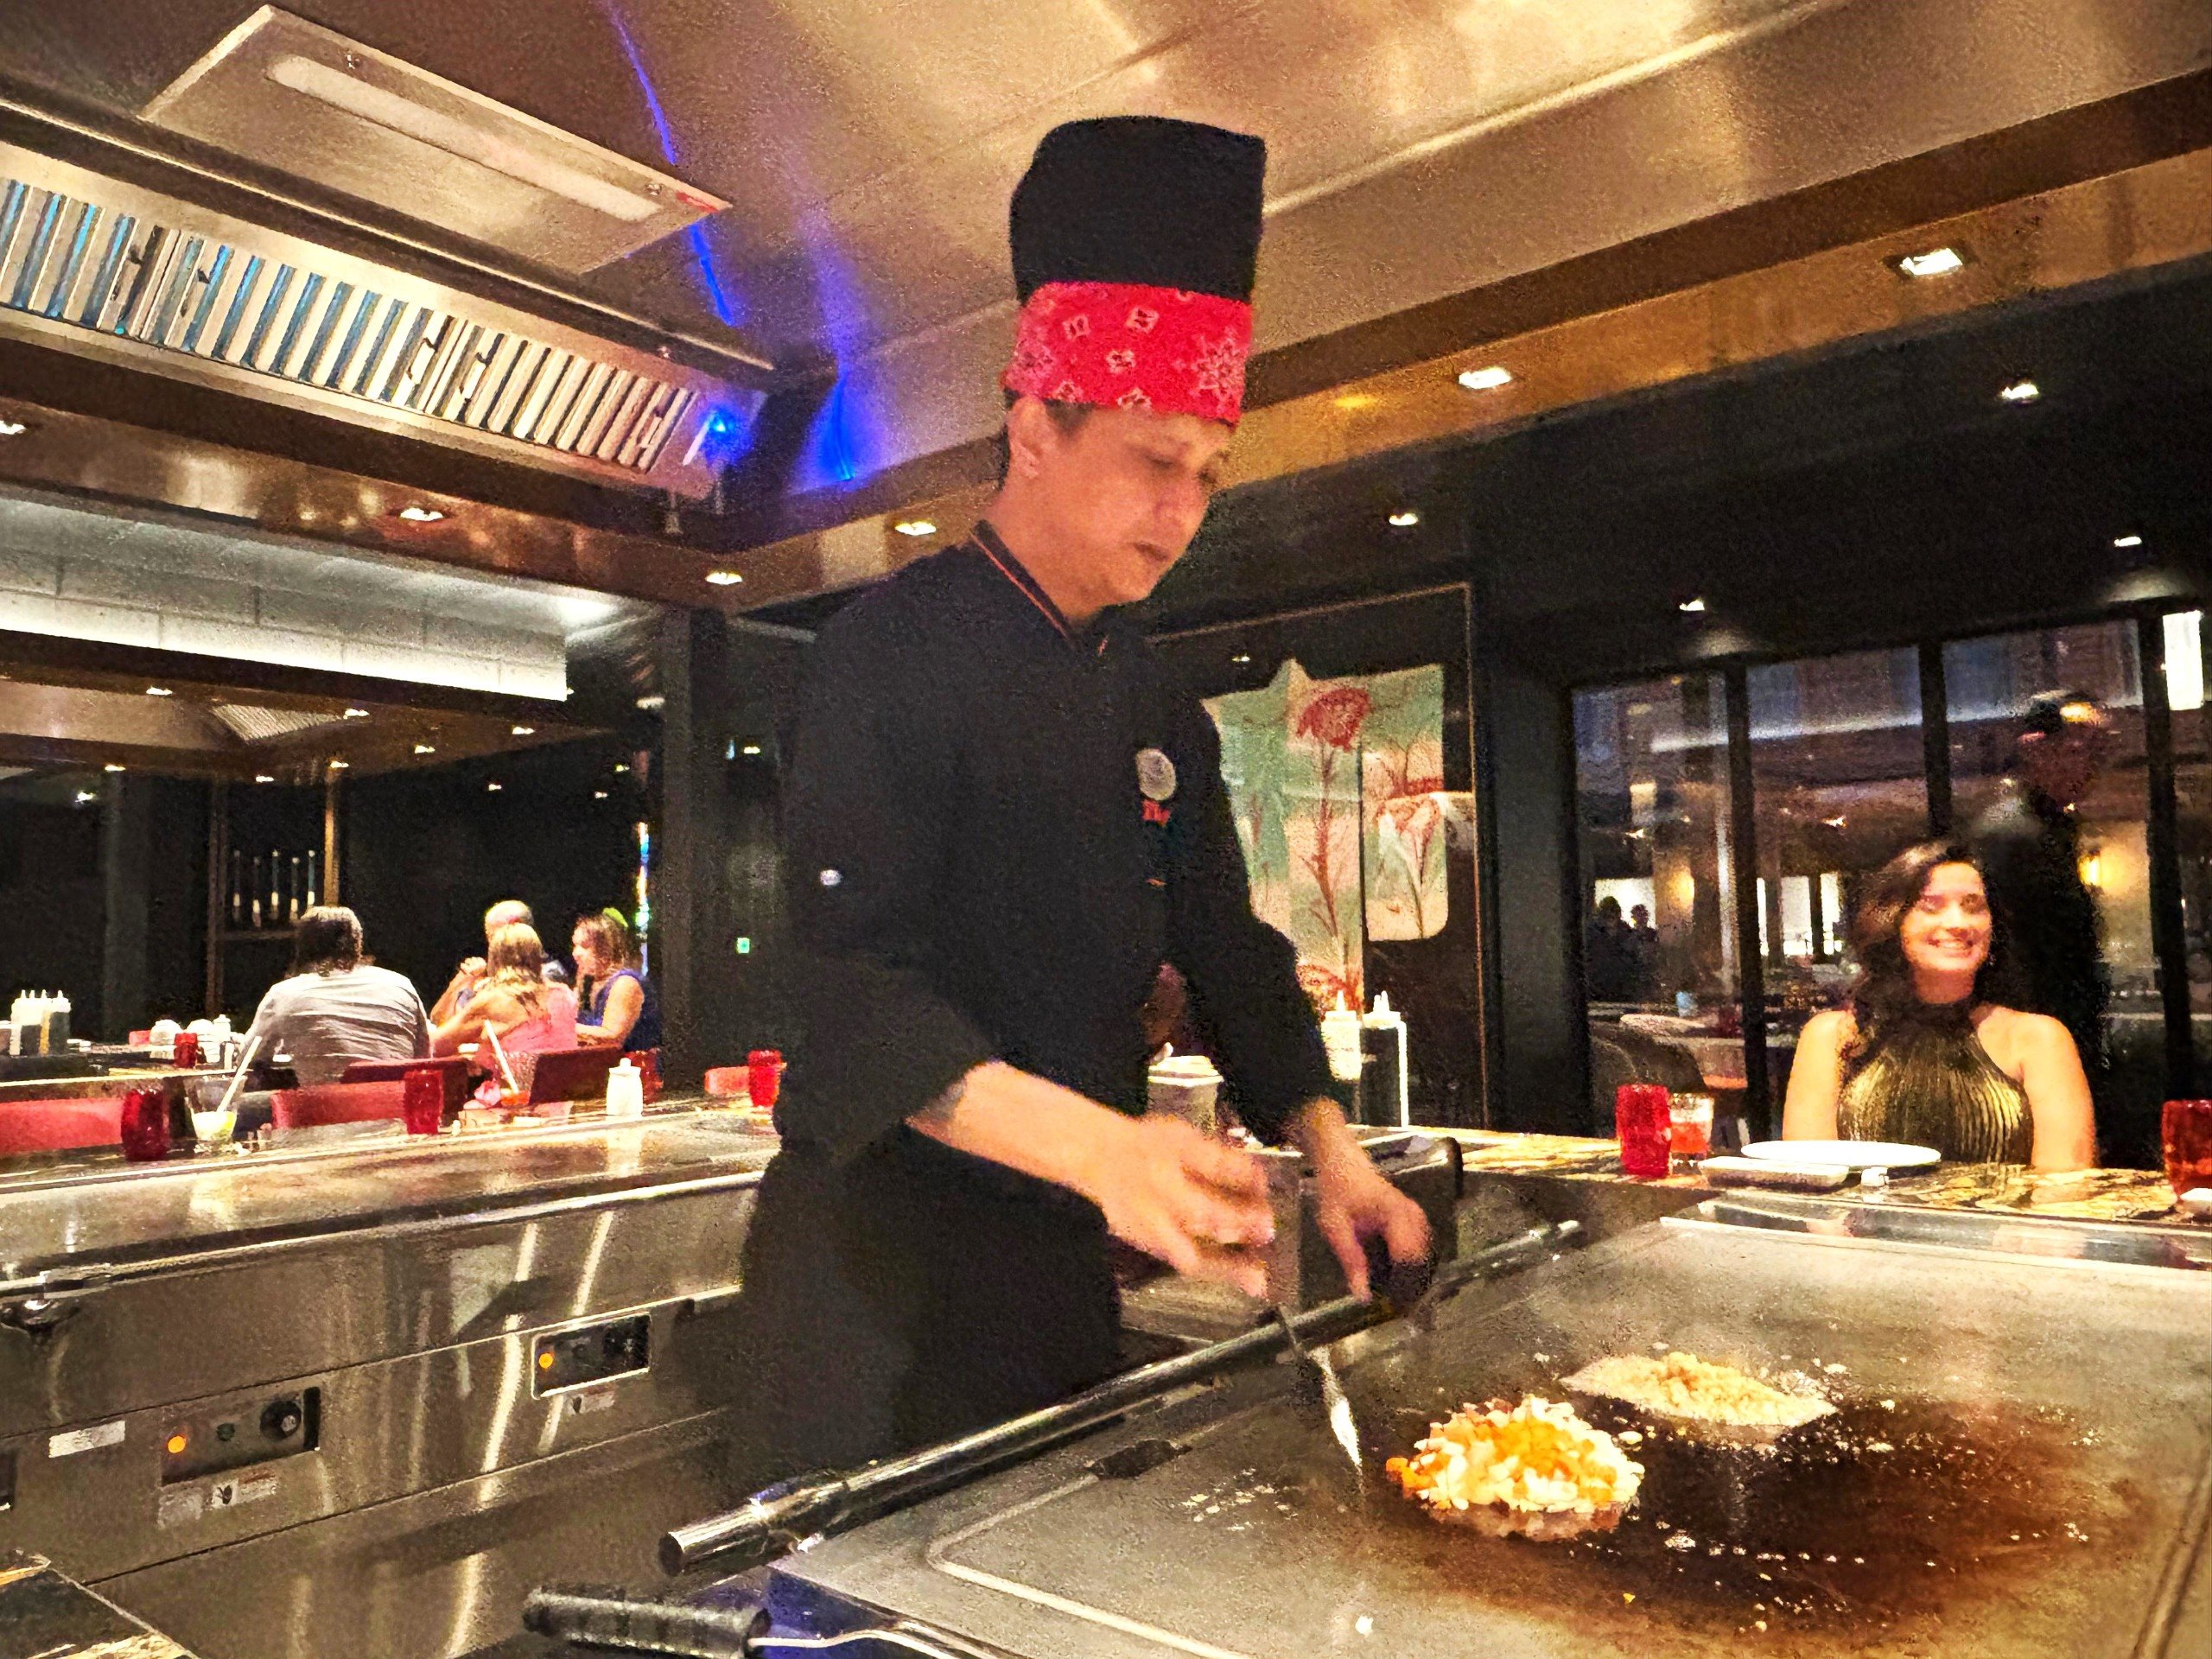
column 56, row 1125
column 336, row 1102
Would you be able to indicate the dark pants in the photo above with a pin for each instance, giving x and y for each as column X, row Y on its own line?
column 914, row 1296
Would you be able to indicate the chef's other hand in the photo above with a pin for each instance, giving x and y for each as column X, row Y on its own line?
column 1352, row 1201
column 1198, row 1203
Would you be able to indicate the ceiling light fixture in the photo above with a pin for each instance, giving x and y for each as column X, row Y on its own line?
column 621, row 766
column 14, row 428
column 1241, row 660
column 263, row 778
column 723, row 578
column 1691, row 606
column 1404, row 520
column 426, row 748
column 87, row 797
column 2127, row 540
column 522, row 731
column 1934, row 262
column 750, row 748
column 419, row 515
column 1486, row 379
column 340, row 765
column 458, row 138
column 915, row 527
column 356, row 714
column 653, row 703
column 2020, row 391
column 494, row 788
column 112, row 765
column 159, row 691
column 599, row 794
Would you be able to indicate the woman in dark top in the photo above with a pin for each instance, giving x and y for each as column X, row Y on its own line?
column 1920, row 1056
column 619, row 1007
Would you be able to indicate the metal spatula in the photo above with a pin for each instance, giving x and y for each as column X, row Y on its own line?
column 1333, row 1399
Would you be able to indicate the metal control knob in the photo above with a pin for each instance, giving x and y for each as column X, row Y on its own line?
column 281, row 1420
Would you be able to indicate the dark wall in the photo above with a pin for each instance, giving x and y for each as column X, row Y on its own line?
column 51, row 909
column 426, row 852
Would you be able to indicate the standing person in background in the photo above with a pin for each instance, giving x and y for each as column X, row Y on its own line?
column 619, row 1007
column 1644, row 953
column 2028, row 846
column 1608, row 963
column 335, row 1008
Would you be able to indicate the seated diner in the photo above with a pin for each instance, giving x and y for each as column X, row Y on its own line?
column 1922, row 1055
column 619, row 1007
column 513, row 1003
column 335, row 1006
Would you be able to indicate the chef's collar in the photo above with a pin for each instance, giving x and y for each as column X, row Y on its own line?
column 1091, row 639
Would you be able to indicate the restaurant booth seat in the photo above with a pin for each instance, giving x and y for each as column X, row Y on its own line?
column 59, row 1125
column 454, row 1072
column 569, row 1073
column 336, row 1102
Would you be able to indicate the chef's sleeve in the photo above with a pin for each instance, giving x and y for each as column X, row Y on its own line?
column 867, row 819
column 1242, row 974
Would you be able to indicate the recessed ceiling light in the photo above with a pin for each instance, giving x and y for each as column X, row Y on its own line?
column 599, row 794
column 14, row 428
column 356, row 714
column 2020, row 391
column 750, row 748
column 2127, row 540
column 159, row 691
column 1835, row 823
column 652, row 701
column 1933, row 262
column 426, row 748
column 85, row 797
column 494, row 788
column 112, row 765
column 724, row 578
column 263, row 778
column 521, row 731
column 915, row 527
column 419, row 515
column 1691, row 607
column 621, row 766
column 1241, row 660
column 1486, row 379
column 340, row 765
column 1404, row 520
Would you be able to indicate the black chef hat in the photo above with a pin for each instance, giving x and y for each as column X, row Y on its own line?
column 1140, row 198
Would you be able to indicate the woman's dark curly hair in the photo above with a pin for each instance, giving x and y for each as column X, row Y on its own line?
column 1882, row 998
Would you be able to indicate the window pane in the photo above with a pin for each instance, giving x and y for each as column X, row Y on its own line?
column 1838, row 785
column 2075, row 830
column 1656, row 886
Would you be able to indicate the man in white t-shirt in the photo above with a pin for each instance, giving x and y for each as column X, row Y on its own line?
column 335, row 1008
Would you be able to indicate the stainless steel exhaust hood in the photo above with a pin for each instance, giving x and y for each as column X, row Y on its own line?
column 92, row 264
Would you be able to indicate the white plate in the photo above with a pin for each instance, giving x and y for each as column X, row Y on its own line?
column 1844, row 1155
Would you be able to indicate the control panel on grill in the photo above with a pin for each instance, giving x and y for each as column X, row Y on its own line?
column 593, row 1353
column 281, row 1425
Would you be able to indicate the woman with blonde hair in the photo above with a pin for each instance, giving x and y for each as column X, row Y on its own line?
column 513, row 1002
column 619, row 1007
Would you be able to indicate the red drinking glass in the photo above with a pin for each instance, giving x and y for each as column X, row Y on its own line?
column 146, row 1125
column 2185, row 1128
column 423, row 1099
column 647, row 1060
column 1643, row 1121
column 188, row 1049
column 764, row 1075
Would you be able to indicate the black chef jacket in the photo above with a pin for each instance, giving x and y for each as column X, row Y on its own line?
column 2050, row 960
column 977, row 872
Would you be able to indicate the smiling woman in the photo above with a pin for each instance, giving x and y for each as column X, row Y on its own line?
column 1922, row 1055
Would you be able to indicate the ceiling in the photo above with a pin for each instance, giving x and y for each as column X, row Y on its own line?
column 1419, row 149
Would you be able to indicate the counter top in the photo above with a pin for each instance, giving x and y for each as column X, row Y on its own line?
column 80, row 1209
column 2083, row 1195
column 47, row 1615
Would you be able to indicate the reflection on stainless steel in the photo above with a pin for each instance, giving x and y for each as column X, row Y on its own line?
column 92, row 264
column 2019, row 1458
column 245, row 1371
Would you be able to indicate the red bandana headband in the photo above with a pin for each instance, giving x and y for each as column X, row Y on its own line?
column 1129, row 345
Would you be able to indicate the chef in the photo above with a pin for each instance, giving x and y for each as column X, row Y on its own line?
column 1001, row 817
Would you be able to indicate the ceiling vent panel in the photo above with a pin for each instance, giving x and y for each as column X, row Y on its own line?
column 298, row 98
column 94, row 264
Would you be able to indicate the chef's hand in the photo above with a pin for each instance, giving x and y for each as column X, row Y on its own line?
column 1352, row 1201
column 1197, row 1204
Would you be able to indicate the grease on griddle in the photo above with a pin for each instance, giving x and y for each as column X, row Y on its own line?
column 1891, row 1511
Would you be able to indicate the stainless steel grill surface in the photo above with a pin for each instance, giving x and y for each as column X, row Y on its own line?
column 2021, row 1464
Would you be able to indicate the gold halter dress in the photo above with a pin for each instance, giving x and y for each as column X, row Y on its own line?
column 1928, row 1082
